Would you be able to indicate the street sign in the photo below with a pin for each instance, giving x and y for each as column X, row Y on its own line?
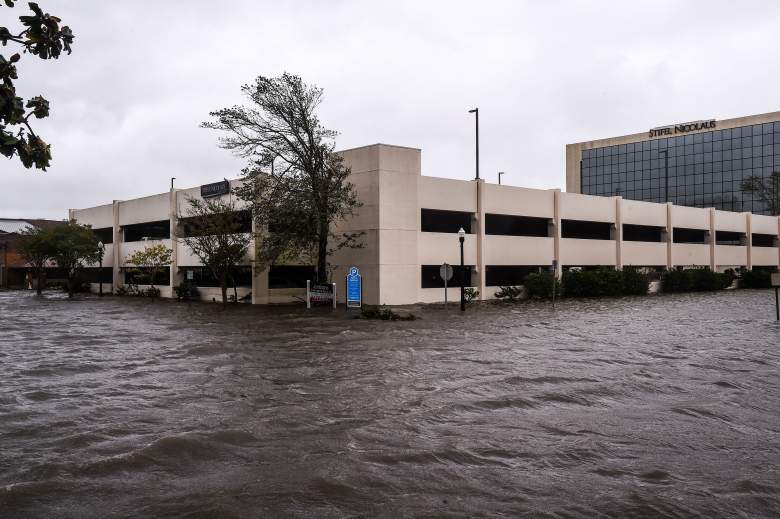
column 320, row 294
column 446, row 272
column 354, row 288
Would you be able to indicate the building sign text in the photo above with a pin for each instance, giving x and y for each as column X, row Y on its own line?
column 683, row 128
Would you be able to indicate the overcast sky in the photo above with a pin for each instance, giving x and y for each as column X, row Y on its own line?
column 127, row 103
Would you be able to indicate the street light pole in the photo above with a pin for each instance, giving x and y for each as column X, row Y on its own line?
column 461, row 238
column 475, row 111
column 102, row 249
column 499, row 177
column 666, row 174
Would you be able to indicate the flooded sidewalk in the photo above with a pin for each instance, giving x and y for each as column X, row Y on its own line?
column 648, row 406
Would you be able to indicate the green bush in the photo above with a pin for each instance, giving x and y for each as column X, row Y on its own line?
column 539, row 285
column 635, row 283
column 186, row 291
column 757, row 279
column 509, row 293
column 470, row 294
column 695, row 280
column 592, row 283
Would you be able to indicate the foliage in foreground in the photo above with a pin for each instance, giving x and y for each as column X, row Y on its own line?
column 42, row 36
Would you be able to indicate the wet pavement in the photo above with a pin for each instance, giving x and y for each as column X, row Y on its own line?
column 662, row 406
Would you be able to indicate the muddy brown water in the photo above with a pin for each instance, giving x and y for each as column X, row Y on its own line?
column 664, row 406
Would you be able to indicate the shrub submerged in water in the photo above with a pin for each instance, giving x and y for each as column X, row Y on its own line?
column 694, row 280
column 539, row 285
column 383, row 313
column 757, row 279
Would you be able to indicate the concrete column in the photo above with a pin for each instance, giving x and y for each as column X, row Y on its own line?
column 557, row 232
column 116, row 278
column 481, row 238
column 749, row 240
column 175, row 277
column 669, row 235
column 713, row 241
column 618, row 233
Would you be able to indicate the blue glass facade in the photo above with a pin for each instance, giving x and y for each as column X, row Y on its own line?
column 705, row 169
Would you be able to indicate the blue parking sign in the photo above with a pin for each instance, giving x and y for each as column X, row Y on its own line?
column 354, row 288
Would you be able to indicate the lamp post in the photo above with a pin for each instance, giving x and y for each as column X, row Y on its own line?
column 666, row 174
column 102, row 250
column 499, row 177
column 475, row 111
column 461, row 238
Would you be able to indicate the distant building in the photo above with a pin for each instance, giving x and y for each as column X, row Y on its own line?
column 13, row 268
column 698, row 164
column 410, row 223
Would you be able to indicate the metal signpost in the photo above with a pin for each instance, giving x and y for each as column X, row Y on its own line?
column 446, row 273
column 354, row 288
column 776, row 284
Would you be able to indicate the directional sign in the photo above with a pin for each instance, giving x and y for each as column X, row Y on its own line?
column 354, row 288
column 446, row 272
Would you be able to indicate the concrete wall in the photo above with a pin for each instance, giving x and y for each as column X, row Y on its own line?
column 390, row 185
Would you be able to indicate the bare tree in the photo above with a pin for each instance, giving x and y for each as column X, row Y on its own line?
column 295, row 184
column 216, row 238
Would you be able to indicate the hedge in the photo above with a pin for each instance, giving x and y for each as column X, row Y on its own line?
column 757, row 279
column 695, row 280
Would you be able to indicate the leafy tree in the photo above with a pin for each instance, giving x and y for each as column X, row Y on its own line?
column 43, row 37
column 767, row 190
column 154, row 259
column 74, row 247
column 216, row 238
column 36, row 245
column 295, row 185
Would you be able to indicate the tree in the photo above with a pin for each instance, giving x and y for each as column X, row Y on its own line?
column 44, row 37
column 36, row 245
column 295, row 185
column 74, row 247
column 766, row 189
column 216, row 238
column 153, row 258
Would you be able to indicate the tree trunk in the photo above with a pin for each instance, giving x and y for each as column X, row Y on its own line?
column 39, row 289
column 322, row 253
column 70, row 286
column 223, row 287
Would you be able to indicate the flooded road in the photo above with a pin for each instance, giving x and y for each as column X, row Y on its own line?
column 665, row 406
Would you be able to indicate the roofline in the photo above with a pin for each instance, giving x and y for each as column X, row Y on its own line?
column 732, row 122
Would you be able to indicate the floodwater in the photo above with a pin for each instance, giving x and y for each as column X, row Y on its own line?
column 662, row 406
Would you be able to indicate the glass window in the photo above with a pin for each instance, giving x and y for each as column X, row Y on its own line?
column 697, row 138
column 766, row 128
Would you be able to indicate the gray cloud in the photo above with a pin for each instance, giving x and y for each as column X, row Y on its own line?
column 127, row 103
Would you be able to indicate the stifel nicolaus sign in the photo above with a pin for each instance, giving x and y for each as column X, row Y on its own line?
column 683, row 128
